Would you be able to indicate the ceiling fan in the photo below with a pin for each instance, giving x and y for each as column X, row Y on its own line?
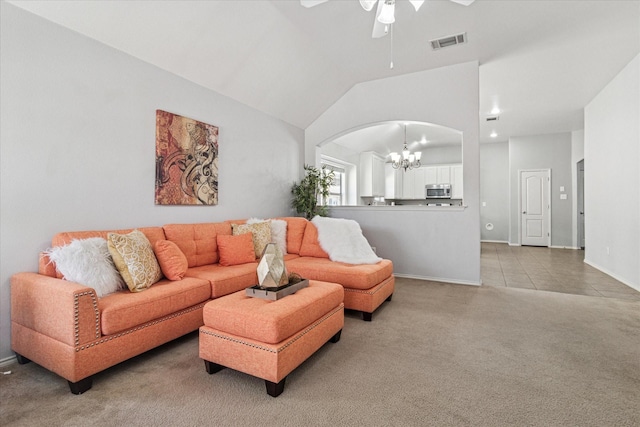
column 385, row 13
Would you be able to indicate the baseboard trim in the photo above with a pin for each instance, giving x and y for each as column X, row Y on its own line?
column 438, row 279
column 564, row 247
column 7, row 361
column 609, row 273
column 494, row 241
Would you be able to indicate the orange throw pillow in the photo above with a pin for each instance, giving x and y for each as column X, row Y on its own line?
column 171, row 259
column 236, row 249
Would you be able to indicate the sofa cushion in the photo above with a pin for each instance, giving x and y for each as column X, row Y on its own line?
column 88, row 262
column 226, row 280
column 124, row 310
column 260, row 232
column 310, row 246
column 152, row 233
column 361, row 276
column 272, row 321
column 295, row 233
column 134, row 258
column 171, row 259
column 198, row 241
column 236, row 250
column 63, row 238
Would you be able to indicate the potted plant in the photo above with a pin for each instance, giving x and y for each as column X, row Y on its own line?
column 310, row 196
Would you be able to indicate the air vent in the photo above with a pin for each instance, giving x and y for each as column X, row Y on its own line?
column 493, row 119
column 448, row 41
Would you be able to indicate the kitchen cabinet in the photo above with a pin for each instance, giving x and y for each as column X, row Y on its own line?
column 372, row 174
column 410, row 184
column 392, row 182
column 456, row 182
column 407, row 183
column 440, row 174
column 418, row 183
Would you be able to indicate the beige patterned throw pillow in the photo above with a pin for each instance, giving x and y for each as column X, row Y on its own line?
column 134, row 258
column 261, row 232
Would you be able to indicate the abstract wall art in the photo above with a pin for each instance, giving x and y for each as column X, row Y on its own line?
column 186, row 161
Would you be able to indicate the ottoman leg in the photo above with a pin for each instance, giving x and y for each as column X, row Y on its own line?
column 212, row 368
column 81, row 386
column 389, row 297
column 273, row 389
column 334, row 339
column 366, row 316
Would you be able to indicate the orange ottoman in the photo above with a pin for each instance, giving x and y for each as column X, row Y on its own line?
column 269, row 339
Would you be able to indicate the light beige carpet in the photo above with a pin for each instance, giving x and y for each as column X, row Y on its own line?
column 438, row 354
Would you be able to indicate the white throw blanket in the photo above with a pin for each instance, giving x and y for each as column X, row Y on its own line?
column 343, row 240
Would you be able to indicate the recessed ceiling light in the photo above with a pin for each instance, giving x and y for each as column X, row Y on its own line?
column 493, row 134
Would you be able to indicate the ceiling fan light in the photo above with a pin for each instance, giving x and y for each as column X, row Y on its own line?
column 387, row 13
column 415, row 3
column 368, row 4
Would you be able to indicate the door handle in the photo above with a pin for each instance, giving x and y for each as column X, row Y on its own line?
column 524, row 213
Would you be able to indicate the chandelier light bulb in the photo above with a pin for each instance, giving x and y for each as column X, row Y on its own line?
column 367, row 4
column 408, row 160
column 387, row 13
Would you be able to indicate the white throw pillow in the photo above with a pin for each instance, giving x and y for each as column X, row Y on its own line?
column 278, row 231
column 279, row 234
column 88, row 262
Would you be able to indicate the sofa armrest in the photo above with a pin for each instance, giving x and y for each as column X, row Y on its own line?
column 63, row 310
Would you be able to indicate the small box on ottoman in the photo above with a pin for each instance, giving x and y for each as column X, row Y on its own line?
column 269, row 339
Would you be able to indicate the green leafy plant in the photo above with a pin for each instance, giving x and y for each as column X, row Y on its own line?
column 310, row 196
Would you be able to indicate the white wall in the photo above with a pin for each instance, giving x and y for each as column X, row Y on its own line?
column 612, row 178
column 78, row 145
column 550, row 151
column 494, row 191
column 439, row 241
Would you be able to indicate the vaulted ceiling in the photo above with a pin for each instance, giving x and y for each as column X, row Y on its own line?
column 540, row 61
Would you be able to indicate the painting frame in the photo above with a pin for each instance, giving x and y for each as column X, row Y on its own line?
column 186, row 161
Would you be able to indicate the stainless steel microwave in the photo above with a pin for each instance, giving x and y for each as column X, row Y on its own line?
column 438, row 191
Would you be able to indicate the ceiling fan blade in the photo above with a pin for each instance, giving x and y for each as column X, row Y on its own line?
column 463, row 2
column 311, row 3
column 379, row 29
column 417, row 4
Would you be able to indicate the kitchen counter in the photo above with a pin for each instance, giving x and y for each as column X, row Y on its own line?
column 400, row 208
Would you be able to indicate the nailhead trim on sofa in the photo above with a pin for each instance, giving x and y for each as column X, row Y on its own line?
column 76, row 315
column 270, row 350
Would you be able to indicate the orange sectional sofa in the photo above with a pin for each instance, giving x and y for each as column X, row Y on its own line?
column 64, row 327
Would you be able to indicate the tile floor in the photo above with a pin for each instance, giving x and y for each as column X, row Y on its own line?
column 546, row 269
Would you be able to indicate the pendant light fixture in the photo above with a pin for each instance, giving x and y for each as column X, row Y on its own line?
column 407, row 160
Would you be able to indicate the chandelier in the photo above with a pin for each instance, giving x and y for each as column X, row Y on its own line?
column 407, row 160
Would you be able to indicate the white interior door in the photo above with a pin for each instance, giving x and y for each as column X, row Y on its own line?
column 535, row 208
column 580, row 178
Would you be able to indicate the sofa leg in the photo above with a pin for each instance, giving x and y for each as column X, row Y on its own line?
column 212, row 368
column 81, row 386
column 366, row 316
column 273, row 389
column 389, row 297
column 21, row 359
column 334, row 339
